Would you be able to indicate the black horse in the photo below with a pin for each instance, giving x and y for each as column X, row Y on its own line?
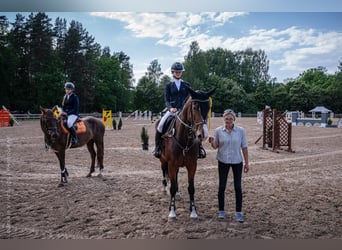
column 90, row 131
column 181, row 146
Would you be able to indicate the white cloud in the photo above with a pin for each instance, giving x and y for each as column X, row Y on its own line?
column 194, row 20
column 291, row 48
column 223, row 17
column 310, row 49
column 171, row 29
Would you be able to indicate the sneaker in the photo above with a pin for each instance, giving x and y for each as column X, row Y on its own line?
column 239, row 217
column 221, row 215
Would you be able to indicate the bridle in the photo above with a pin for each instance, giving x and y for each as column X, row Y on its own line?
column 52, row 131
column 192, row 127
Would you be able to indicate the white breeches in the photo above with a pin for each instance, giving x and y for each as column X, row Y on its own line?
column 162, row 121
column 71, row 120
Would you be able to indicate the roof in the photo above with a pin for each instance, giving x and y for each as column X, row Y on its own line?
column 320, row 109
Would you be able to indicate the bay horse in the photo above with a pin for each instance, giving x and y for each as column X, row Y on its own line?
column 181, row 146
column 90, row 131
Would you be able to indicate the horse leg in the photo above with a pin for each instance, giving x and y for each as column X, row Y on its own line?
column 164, row 170
column 173, row 190
column 191, row 191
column 90, row 146
column 64, row 172
column 100, row 155
column 178, row 193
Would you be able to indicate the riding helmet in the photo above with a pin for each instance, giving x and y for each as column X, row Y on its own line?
column 177, row 66
column 69, row 85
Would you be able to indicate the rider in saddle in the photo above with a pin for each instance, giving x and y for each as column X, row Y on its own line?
column 175, row 95
column 70, row 107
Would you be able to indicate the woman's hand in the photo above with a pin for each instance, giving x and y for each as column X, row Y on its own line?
column 211, row 139
column 246, row 168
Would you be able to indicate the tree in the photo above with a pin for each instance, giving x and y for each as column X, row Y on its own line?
column 79, row 56
column 8, row 61
column 280, row 97
column 147, row 95
column 263, row 95
column 59, row 30
column 154, row 72
column 125, row 82
column 107, row 89
column 299, row 96
column 196, row 70
column 334, row 91
column 42, row 63
column 253, row 69
column 227, row 95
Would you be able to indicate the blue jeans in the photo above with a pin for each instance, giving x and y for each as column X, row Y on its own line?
column 223, row 170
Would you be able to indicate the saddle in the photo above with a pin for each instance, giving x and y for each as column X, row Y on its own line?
column 79, row 126
column 168, row 129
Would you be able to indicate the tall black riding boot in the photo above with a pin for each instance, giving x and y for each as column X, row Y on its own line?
column 158, row 142
column 202, row 154
column 73, row 135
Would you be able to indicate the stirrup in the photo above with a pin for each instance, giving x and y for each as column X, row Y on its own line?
column 74, row 141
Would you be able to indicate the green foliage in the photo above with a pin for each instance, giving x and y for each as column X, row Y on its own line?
column 144, row 135
column 114, row 124
column 149, row 93
column 37, row 58
column 11, row 122
column 120, row 124
column 329, row 121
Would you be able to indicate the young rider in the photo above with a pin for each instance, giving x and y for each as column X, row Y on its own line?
column 175, row 95
column 70, row 107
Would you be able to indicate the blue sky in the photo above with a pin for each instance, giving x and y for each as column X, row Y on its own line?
column 293, row 41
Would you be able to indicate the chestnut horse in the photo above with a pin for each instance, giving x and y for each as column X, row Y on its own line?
column 57, row 138
column 181, row 146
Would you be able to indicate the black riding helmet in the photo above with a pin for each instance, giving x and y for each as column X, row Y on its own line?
column 177, row 66
column 69, row 85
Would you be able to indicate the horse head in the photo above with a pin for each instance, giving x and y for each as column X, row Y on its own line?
column 48, row 123
column 199, row 108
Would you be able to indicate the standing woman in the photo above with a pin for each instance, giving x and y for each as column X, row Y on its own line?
column 70, row 107
column 230, row 140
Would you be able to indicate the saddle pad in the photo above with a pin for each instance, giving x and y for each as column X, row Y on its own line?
column 81, row 128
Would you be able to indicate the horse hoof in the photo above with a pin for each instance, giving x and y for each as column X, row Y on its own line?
column 100, row 175
column 172, row 215
column 88, row 175
column 60, row 185
column 193, row 215
column 172, row 218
